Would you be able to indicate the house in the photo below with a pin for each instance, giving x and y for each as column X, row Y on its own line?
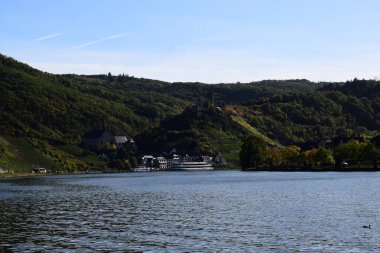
column 131, row 144
column 121, row 141
column 219, row 160
column 96, row 140
column 160, row 163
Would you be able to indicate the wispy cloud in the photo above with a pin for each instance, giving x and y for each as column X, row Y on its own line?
column 49, row 36
column 116, row 36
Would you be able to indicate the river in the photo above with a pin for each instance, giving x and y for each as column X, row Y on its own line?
column 223, row 211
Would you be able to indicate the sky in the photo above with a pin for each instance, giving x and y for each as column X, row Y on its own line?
column 208, row 41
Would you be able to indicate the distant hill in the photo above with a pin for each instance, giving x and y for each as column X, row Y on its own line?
column 349, row 109
column 64, row 107
column 207, row 131
column 47, row 114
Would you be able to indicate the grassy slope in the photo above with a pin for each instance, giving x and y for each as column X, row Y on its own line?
column 225, row 143
column 11, row 159
column 253, row 131
column 22, row 155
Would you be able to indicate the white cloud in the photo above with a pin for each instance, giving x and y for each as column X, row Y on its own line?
column 49, row 36
column 116, row 36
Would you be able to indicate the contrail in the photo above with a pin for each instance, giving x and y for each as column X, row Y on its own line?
column 48, row 36
column 116, row 36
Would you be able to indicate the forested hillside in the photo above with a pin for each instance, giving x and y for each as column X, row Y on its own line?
column 64, row 107
column 350, row 109
column 33, row 103
column 50, row 113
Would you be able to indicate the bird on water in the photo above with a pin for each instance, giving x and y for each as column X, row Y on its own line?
column 369, row 226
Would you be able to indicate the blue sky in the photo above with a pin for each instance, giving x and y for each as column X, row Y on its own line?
column 196, row 40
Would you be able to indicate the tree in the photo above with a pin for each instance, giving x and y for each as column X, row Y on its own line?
column 291, row 154
column 350, row 151
column 156, row 164
column 252, row 152
column 273, row 156
column 370, row 153
column 324, row 155
column 309, row 156
column 106, row 147
column 121, row 164
column 120, row 78
column 2, row 149
column 132, row 161
column 122, row 153
column 110, row 77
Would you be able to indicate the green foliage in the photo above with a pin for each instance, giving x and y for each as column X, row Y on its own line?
column 253, row 131
column 370, row 153
column 252, row 152
column 54, row 111
column 350, row 151
column 298, row 117
column 64, row 107
column 186, row 131
column 121, row 164
column 132, row 161
column 2, row 149
column 291, row 154
column 324, row 155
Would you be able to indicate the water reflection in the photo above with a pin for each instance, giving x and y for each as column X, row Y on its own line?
column 213, row 211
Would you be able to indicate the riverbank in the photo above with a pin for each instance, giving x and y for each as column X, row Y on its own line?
column 16, row 174
column 329, row 169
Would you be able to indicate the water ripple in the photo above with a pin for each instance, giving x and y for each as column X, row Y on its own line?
column 182, row 212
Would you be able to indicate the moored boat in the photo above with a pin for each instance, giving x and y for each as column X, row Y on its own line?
column 190, row 163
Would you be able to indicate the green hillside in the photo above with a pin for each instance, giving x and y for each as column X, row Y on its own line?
column 207, row 131
column 43, row 116
column 41, row 105
column 253, row 131
column 298, row 117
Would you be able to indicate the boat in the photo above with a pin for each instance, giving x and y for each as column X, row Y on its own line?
column 141, row 169
column 190, row 163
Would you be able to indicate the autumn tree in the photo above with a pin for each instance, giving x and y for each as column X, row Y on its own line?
column 273, row 156
column 309, row 157
column 291, row 154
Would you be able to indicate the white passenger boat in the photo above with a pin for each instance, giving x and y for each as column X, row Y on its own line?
column 189, row 163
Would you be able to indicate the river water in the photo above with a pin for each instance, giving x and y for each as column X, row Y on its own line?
column 215, row 211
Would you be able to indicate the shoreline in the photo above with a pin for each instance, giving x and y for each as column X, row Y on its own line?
column 19, row 175
column 317, row 170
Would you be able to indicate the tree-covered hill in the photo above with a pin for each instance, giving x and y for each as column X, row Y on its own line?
column 50, row 113
column 346, row 109
column 38, row 104
column 64, row 107
column 208, row 131
column 357, row 88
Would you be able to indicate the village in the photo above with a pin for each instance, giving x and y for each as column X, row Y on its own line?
column 121, row 150
column 123, row 153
